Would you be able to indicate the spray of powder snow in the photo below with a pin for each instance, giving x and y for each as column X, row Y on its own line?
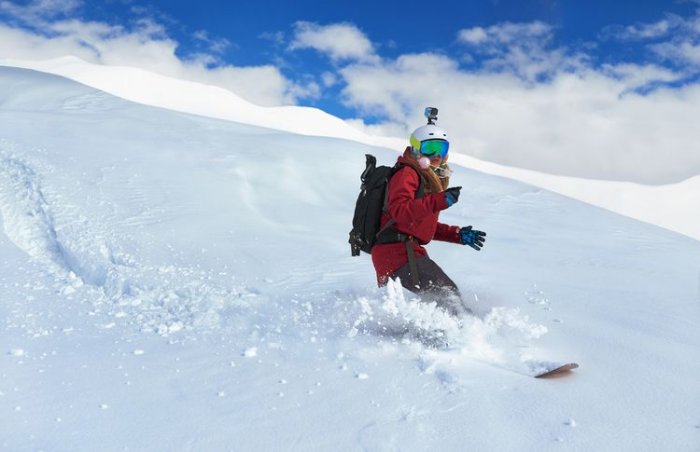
column 495, row 338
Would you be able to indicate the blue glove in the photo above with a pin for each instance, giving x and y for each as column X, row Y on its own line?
column 452, row 195
column 472, row 237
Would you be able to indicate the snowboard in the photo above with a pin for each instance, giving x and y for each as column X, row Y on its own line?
column 560, row 371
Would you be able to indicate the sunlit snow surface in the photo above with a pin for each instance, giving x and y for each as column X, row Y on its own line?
column 172, row 282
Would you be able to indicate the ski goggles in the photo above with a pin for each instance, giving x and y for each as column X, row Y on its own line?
column 434, row 148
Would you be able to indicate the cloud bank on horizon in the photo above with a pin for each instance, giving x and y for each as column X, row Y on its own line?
column 508, row 92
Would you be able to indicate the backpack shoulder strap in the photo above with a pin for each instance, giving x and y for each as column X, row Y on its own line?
column 370, row 165
column 407, row 239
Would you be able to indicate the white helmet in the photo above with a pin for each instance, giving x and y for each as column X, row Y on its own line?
column 426, row 132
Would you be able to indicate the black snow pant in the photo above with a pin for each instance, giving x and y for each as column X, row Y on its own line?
column 433, row 285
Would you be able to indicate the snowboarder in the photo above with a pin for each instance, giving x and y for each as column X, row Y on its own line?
column 416, row 194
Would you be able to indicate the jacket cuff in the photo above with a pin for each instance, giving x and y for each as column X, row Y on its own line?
column 447, row 233
column 441, row 203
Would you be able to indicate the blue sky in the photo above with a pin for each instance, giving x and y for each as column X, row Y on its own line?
column 584, row 86
column 396, row 26
column 259, row 32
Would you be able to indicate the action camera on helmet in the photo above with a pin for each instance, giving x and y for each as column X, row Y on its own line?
column 431, row 114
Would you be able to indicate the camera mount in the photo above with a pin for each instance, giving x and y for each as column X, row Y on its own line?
column 431, row 114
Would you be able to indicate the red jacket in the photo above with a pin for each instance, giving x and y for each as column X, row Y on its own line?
column 415, row 217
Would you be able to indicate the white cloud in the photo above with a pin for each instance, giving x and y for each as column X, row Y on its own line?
column 146, row 45
column 329, row 79
column 589, row 123
column 215, row 45
column 673, row 38
column 635, row 76
column 276, row 37
column 579, row 120
column 520, row 48
column 506, row 33
column 399, row 86
column 683, row 51
column 341, row 42
column 646, row 31
column 39, row 10
column 476, row 35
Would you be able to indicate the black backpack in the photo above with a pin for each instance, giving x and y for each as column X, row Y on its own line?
column 370, row 205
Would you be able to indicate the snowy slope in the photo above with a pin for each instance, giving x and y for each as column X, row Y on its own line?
column 669, row 206
column 149, row 88
column 173, row 282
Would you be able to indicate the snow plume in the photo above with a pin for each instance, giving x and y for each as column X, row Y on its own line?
column 493, row 339
column 396, row 316
column 498, row 340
